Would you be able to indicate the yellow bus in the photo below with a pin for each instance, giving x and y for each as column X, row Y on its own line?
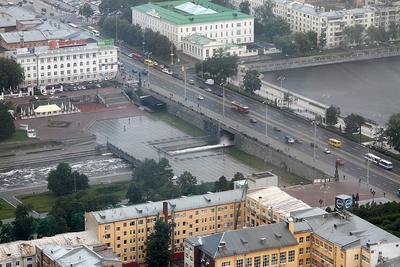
column 335, row 142
column 148, row 62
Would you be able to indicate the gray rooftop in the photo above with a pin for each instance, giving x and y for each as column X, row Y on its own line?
column 346, row 230
column 245, row 240
column 304, row 213
column 42, row 35
column 395, row 262
column 9, row 15
column 154, row 208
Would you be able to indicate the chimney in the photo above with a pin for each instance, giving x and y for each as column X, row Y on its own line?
column 290, row 222
column 165, row 211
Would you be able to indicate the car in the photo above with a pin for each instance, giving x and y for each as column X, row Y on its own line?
column 51, row 14
column 327, row 151
column 220, row 94
column 208, row 90
column 202, row 86
column 134, row 71
column 276, row 129
column 313, row 145
column 98, row 85
column 191, row 81
column 144, row 71
column 252, row 120
column 340, row 162
column 298, row 141
column 289, row 140
column 167, row 71
column 200, row 97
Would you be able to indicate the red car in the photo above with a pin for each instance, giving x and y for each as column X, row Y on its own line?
column 340, row 162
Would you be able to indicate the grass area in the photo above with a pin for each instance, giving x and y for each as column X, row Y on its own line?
column 179, row 124
column 260, row 165
column 6, row 210
column 43, row 202
column 19, row 135
column 356, row 138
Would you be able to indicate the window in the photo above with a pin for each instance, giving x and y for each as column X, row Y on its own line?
column 274, row 259
column 356, row 257
column 239, row 263
column 226, row 263
column 291, row 256
column 307, row 238
column 308, row 260
column 265, row 260
column 308, row 249
column 301, row 239
column 301, row 251
column 282, row 257
column 257, row 261
column 249, row 262
column 301, row 262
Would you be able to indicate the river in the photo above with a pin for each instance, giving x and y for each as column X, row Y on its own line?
column 369, row 88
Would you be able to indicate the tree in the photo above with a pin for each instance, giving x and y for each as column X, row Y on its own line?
column 251, row 81
column 11, row 74
column 376, row 35
column 222, row 184
column 354, row 34
column 86, row 10
column 62, row 180
column 322, row 40
column 332, row 114
column 50, row 226
column 237, row 177
column 134, row 194
column 220, row 66
column 187, row 183
column 312, row 38
column 7, row 128
column 302, row 42
column 23, row 223
column 288, row 98
column 286, row 44
column 393, row 130
column 6, row 233
column 157, row 245
column 267, row 24
column 244, row 7
column 393, row 31
column 353, row 122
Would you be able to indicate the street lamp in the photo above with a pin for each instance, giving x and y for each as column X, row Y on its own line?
column 315, row 139
column 223, row 100
column 185, row 81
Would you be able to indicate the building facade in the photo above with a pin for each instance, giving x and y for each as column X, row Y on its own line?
column 179, row 19
column 125, row 230
column 319, row 239
column 67, row 61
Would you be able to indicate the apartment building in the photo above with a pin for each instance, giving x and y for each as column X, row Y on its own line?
column 125, row 229
column 50, row 255
column 330, row 25
column 270, row 205
column 23, row 253
column 308, row 238
column 67, row 61
column 179, row 19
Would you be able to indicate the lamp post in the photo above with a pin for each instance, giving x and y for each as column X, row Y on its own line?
column 223, row 100
column 185, row 81
column 172, row 54
column 315, row 138
column 266, row 122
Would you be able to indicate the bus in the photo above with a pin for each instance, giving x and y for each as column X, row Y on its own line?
column 137, row 56
column 240, row 107
column 372, row 158
column 387, row 165
column 73, row 25
column 148, row 62
column 96, row 33
column 334, row 142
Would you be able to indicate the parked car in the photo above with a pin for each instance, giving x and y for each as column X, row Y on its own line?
column 134, row 71
column 252, row 120
column 167, row 71
column 200, row 97
column 191, row 81
column 276, row 129
column 176, row 76
column 327, row 151
column 340, row 162
column 298, row 141
column 289, row 140
column 144, row 71
column 208, row 90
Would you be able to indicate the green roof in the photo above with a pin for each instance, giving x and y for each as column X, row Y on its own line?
column 167, row 11
column 200, row 39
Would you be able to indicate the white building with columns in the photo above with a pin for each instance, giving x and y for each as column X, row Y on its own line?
column 179, row 19
column 67, row 61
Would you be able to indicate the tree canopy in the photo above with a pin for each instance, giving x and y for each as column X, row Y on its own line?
column 187, row 183
column 245, row 7
column 332, row 114
column 219, row 66
column 267, row 24
column 353, row 122
column 157, row 245
column 63, row 180
column 23, row 223
column 86, row 10
column 354, row 34
column 393, row 130
column 7, row 128
column 251, row 81
column 11, row 74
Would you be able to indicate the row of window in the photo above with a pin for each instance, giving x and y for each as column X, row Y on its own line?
column 194, row 28
column 264, row 261
column 67, row 79
column 61, row 58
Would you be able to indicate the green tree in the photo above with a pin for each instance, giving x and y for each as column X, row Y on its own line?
column 244, row 7
column 251, row 81
column 70, row 209
column 288, row 98
column 219, row 66
column 7, row 233
column 11, row 74
column 134, row 194
column 322, row 40
column 157, row 245
column 312, row 38
column 393, row 130
column 353, row 122
column 376, row 35
column 86, row 10
column 332, row 114
column 354, row 34
column 187, row 183
column 50, row 226
column 222, row 184
column 393, row 31
column 7, row 128
column 302, row 42
column 62, row 180
column 23, row 223
column 238, row 176
column 286, row 44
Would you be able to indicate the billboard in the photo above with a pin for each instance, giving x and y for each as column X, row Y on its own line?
column 66, row 43
column 105, row 42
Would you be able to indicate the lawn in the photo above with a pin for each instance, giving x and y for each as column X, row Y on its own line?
column 6, row 210
column 356, row 138
column 19, row 135
column 43, row 202
column 260, row 165
column 179, row 124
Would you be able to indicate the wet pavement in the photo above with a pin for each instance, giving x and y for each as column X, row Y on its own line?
column 144, row 137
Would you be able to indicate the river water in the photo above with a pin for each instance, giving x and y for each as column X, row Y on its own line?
column 369, row 88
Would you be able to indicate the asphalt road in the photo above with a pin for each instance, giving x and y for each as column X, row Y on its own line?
column 289, row 124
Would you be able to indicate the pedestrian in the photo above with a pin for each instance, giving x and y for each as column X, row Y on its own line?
column 384, row 194
column 344, row 177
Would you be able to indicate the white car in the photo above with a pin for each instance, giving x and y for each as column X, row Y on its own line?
column 200, row 97
column 327, row 151
column 167, row 71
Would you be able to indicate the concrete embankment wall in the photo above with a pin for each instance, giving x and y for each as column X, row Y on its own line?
column 245, row 143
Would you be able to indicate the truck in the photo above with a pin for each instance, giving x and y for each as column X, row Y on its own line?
column 239, row 107
column 209, row 82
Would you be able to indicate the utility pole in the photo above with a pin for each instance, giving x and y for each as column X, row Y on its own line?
column 172, row 54
column 315, row 139
column 116, row 28
column 184, row 78
column 223, row 100
column 266, row 122
column 368, row 162
column 144, row 42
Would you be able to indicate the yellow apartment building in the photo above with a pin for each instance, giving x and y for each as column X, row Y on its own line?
column 125, row 229
column 309, row 237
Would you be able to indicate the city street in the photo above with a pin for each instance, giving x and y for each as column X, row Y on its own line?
column 289, row 124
